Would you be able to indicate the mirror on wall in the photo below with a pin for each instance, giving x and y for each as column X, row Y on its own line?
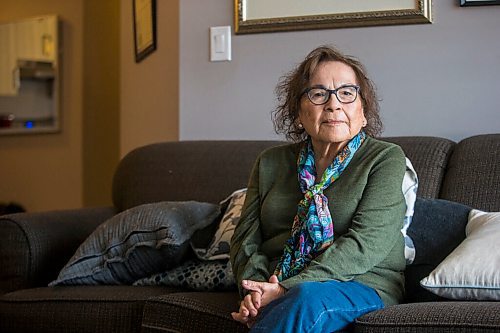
column 29, row 80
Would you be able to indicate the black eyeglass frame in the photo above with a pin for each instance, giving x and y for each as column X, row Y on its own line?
column 334, row 92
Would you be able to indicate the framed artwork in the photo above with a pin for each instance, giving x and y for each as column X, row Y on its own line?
column 252, row 16
column 144, row 12
column 465, row 3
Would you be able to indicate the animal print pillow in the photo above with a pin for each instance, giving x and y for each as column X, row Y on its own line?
column 212, row 275
column 218, row 248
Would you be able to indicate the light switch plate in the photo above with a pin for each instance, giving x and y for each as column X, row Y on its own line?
column 220, row 43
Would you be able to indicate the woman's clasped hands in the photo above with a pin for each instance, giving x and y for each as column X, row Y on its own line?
column 260, row 294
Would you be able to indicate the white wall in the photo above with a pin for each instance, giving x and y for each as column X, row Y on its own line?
column 440, row 79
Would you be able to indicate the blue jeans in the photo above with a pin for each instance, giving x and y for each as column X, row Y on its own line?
column 318, row 307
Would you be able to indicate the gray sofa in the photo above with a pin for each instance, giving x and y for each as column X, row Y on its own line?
column 35, row 246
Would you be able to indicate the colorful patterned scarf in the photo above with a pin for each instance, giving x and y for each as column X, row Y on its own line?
column 312, row 230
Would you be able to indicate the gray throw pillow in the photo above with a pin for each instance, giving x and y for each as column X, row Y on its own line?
column 438, row 227
column 136, row 243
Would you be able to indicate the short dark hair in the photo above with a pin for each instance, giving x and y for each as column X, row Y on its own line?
column 291, row 86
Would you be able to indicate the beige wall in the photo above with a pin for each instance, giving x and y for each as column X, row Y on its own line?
column 44, row 172
column 150, row 89
column 101, row 99
column 109, row 104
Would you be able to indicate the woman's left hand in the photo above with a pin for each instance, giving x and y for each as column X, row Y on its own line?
column 269, row 291
column 261, row 294
column 247, row 312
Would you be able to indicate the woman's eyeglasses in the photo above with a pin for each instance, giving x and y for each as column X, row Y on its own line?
column 345, row 94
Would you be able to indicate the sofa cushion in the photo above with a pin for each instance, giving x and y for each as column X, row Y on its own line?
column 35, row 246
column 221, row 166
column 437, row 228
column 192, row 312
column 435, row 317
column 136, row 243
column 77, row 309
column 429, row 156
column 471, row 271
column 473, row 173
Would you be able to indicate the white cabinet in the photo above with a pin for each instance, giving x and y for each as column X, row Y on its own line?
column 36, row 39
column 9, row 73
column 29, row 76
column 32, row 39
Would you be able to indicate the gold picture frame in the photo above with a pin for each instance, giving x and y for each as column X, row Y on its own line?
column 144, row 13
column 254, row 16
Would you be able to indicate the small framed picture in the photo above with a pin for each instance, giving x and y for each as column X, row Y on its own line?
column 144, row 12
column 465, row 3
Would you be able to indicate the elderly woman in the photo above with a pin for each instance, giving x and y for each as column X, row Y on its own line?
column 319, row 242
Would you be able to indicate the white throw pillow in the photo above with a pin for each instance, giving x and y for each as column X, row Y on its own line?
column 409, row 187
column 472, row 270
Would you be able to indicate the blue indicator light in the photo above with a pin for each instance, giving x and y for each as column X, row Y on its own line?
column 29, row 124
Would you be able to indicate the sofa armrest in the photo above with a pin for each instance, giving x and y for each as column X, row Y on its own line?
column 35, row 246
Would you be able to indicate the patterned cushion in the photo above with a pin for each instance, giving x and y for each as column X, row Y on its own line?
column 213, row 275
column 219, row 246
column 137, row 243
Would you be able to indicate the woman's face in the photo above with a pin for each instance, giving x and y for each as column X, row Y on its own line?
column 333, row 122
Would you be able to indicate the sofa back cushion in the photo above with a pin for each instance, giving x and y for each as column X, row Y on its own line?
column 206, row 171
column 429, row 156
column 209, row 171
column 473, row 173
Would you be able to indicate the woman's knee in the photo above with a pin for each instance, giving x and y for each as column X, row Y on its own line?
column 304, row 291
